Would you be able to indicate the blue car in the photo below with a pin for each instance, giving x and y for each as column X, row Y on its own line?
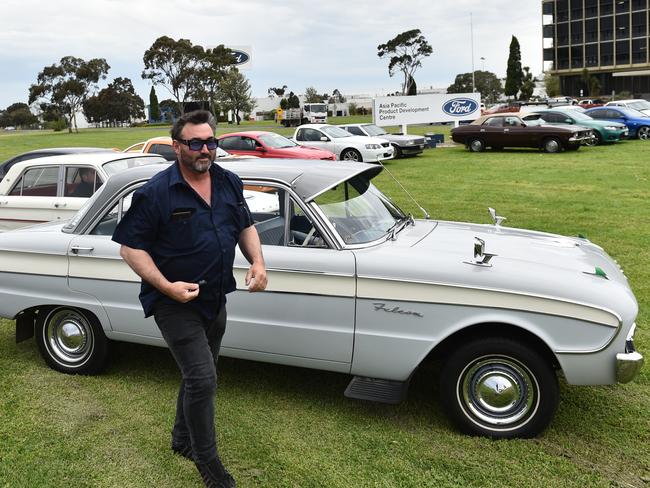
column 637, row 123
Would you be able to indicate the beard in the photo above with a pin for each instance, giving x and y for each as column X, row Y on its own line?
column 199, row 164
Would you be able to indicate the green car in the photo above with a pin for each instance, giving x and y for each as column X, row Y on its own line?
column 604, row 131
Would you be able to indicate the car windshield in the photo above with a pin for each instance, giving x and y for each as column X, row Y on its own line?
column 359, row 212
column 335, row 132
column 639, row 105
column 630, row 113
column 72, row 223
column 119, row 165
column 316, row 108
column 276, row 141
column 373, row 130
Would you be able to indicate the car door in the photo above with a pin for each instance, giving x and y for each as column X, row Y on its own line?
column 34, row 198
column 95, row 267
column 306, row 315
column 308, row 136
column 516, row 133
column 491, row 132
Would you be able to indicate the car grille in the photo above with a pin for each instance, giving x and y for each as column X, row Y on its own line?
column 419, row 141
column 385, row 144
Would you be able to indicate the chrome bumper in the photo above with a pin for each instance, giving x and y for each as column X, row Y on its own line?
column 628, row 366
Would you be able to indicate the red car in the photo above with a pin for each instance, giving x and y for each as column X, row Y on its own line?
column 269, row 145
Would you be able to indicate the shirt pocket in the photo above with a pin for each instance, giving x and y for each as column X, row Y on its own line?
column 181, row 229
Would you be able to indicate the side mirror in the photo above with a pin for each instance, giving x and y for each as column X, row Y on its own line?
column 260, row 149
column 324, row 139
column 568, row 121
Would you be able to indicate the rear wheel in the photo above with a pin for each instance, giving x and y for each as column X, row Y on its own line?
column 351, row 155
column 71, row 340
column 643, row 133
column 500, row 388
column 552, row 145
column 476, row 145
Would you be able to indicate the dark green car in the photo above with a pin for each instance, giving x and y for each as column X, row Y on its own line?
column 604, row 131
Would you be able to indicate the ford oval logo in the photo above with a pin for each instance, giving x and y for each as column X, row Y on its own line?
column 460, row 106
column 240, row 56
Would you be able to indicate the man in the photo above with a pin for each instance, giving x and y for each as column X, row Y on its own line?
column 86, row 186
column 179, row 236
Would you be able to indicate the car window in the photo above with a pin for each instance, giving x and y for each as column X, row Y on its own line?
column 614, row 114
column 555, row 118
column 41, row 182
column 106, row 225
column 494, row 122
column 81, row 181
column 598, row 114
column 355, row 130
column 309, row 135
column 228, row 143
column 511, row 121
column 113, row 167
column 248, row 144
column 164, row 150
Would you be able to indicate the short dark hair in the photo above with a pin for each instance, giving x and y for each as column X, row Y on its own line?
column 196, row 117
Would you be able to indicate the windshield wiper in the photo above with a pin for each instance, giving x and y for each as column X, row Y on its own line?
column 399, row 225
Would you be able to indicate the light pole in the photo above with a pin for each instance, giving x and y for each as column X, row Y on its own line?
column 482, row 63
column 471, row 34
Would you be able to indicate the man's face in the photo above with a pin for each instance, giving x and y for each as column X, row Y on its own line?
column 196, row 161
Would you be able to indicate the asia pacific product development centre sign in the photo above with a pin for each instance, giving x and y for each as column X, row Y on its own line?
column 423, row 109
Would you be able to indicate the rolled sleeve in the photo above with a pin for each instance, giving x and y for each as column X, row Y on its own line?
column 139, row 226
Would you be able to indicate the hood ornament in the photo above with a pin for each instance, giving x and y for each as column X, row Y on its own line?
column 481, row 258
column 496, row 218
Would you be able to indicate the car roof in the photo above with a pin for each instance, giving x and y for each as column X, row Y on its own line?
column 255, row 133
column 93, row 159
column 483, row 118
column 629, row 100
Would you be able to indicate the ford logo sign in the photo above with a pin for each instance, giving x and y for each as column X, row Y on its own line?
column 460, row 106
column 240, row 56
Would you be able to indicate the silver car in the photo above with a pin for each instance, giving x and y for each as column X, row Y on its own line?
column 358, row 287
column 404, row 144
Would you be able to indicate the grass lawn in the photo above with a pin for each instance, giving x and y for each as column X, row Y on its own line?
column 290, row 427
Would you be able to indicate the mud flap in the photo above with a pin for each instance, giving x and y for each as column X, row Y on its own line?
column 25, row 325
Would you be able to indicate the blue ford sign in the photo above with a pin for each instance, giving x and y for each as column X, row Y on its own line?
column 240, row 56
column 460, row 106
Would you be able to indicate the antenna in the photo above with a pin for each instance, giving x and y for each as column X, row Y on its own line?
column 426, row 214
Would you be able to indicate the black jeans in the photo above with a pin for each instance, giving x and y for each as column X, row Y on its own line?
column 194, row 342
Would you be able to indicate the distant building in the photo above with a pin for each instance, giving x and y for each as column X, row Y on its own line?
column 607, row 37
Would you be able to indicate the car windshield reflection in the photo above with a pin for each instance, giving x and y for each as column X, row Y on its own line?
column 358, row 211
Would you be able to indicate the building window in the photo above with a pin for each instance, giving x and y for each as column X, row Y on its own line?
column 606, row 7
column 562, row 10
column 622, row 6
column 607, row 54
column 562, row 34
column 623, row 26
column 591, row 8
column 639, row 51
column 576, row 32
column 606, row 29
column 639, row 24
column 591, row 55
column 563, row 58
column 591, row 30
column 576, row 9
column 639, row 5
column 623, row 52
column 576, row 57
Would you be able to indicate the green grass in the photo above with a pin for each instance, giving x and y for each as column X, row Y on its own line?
column 290, row 427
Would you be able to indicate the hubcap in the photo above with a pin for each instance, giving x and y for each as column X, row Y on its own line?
column 351, row 156
column 498, row 392
column 644, row 133
column 552, row 146
column 68, row 336
column 476, row 145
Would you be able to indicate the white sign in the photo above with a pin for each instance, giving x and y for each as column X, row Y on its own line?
column 423, row 109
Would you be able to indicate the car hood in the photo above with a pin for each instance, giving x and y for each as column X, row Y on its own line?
column 525, row 262
column 304, row 152
column 360, row 140
column 602, row 123
column 402, row 138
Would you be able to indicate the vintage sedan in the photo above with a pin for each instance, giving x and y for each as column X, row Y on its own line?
column 403, row 144
column 510, row 130
column 356, row 286
column 266, row 144
column 55, row 187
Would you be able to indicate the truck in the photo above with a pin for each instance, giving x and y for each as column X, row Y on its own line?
column 310, row 113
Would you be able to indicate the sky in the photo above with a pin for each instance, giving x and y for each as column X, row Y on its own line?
column 328, row 45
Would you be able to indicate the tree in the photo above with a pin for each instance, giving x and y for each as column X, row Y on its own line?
column 312, row 96
column 514, row 73
column 278, row 92
column 68, row 84
column 337, row 97
column 115, row 104
column 18, row 115
column 292, row 101
column 485, row 82
column 594, row 87
column 174, row 65
column 211, row 72
column 551, row 84
column 235, row 93
column 154, row 108
column 412, row 87
column 405, row 52
column 169, row 109
column 528, row 84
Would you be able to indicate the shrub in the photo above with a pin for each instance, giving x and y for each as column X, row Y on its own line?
column 57, row 125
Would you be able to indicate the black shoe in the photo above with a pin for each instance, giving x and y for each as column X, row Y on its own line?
column 183, row 449
column 214, row 475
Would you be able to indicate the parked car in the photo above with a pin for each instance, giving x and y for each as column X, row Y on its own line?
column 55, row 187
column 40, row 153
column 561, row 100
column 346, row 146
column 163, row 146
column 639, row 104
column 638, row 124
column 265, row 144
column 403, row 144
column 591, row 103
column 509, row 130
column 604, row 131
column 356, row 286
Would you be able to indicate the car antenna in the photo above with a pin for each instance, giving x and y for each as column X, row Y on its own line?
column 426, row 214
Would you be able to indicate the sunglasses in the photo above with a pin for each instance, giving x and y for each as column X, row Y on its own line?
column 197, row 144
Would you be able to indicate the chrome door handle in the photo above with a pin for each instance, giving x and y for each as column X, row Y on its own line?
column 81, row 250
column 58, row 205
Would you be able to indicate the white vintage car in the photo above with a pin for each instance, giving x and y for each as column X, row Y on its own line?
column 53, row 188
column 355, row 286
column 346, row 146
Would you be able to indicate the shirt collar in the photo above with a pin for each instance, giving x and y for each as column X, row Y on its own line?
column 176, row 178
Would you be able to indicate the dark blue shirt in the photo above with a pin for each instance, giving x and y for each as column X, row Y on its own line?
column 187, row 239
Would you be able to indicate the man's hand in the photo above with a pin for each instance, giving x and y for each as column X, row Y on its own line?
column 181, row 291
column 256, row 277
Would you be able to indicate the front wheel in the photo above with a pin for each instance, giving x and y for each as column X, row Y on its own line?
column 351, row 155
column 71, row 340
column 398, row 151
column 500, row 388
column 476, row 145
column 552, row 145
column 643, row 133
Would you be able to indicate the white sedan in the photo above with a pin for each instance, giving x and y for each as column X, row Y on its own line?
column 55, row 187
column 346, row 146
